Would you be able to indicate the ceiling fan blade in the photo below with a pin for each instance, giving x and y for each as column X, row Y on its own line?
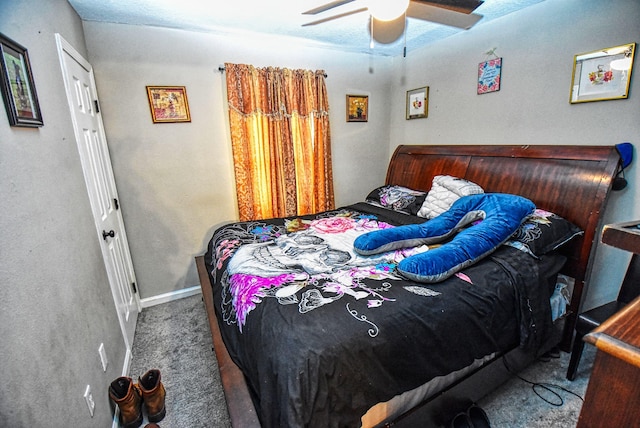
column 332, row 17
column 326, row 7
column 462, row 6
column 420, row 10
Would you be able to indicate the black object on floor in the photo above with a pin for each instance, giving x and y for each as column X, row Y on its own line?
column 473, row 417
column 589, row 320
column 478, row 417
column 461, row 420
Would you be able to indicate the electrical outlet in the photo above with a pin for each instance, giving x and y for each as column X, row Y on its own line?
column 88, row 397
column 103, row 357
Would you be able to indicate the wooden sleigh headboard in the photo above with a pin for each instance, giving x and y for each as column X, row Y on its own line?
column 571, row 181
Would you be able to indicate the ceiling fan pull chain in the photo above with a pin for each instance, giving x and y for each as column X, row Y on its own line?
column 371, row 45
column 404, row 33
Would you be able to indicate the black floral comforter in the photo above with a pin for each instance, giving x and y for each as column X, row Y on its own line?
column 322, row 334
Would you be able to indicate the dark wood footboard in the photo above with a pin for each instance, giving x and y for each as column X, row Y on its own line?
column 239, row 403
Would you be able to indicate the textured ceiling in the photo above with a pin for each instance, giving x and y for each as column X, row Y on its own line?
column 280, row 18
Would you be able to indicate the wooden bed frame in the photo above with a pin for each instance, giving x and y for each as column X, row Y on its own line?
column 571, row 181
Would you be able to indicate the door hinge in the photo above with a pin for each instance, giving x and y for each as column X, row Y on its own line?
column 116, row 205
column 95, row 103
column 135, row 289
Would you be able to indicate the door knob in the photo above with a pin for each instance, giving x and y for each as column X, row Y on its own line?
column 106, row 234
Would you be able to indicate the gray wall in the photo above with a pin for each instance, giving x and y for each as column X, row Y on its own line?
column 537, row 45
column 55, row 301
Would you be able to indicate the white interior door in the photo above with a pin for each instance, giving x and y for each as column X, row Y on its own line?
column 96, row 165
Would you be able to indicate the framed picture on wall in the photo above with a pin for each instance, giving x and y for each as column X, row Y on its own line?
column 489, row 75
column 18, row 90
column 357, row 108
column 601, row 75
column 417, row 103
column 168, row 104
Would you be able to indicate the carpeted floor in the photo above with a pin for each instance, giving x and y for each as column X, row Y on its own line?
column 516, row 404
column 175, row 338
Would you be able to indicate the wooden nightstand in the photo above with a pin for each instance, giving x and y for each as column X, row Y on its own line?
column 623, row 235
column 613, row 394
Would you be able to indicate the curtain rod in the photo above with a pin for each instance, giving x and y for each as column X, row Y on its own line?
column 221, row 69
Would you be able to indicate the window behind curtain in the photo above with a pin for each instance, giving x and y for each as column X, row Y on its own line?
column 279, row 120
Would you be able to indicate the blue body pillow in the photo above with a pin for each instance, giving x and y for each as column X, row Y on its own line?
column 501, row 215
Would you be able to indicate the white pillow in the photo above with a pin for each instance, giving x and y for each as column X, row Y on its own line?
column 445, row 190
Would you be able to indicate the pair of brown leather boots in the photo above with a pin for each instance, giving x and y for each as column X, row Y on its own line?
column 130, row 396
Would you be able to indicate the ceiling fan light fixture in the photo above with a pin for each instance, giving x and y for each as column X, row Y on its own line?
column 387, row 10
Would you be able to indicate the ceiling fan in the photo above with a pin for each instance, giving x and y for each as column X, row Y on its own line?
column 388, row 16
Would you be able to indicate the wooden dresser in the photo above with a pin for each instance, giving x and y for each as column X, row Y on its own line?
column 613, row 394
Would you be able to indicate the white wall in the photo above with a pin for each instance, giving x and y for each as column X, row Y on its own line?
column 532, row 107
column 176, row 181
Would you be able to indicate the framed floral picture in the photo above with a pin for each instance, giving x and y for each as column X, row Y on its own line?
column 168, row 104
column 601, row 75
column 489, row 74
column 417, row 103
column 357, row 108
column 18, row 90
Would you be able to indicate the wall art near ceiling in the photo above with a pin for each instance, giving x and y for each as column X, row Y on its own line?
column 18, row 90
column 357, row 108
column 418, row 103
column 601, row 75
column 168, row 104
column 489, row 74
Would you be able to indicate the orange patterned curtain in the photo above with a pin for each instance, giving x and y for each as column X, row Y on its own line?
column 279, row 121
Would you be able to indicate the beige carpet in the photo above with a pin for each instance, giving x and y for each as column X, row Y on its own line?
column 174, row 337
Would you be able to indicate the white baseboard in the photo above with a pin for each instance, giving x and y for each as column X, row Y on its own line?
column 168, row 297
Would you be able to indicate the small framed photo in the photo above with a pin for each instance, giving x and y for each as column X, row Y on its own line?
column 601, row 75
column 357, row 108
column 168, row 104
column 418, row 103
column 18, row 90
column 489, row 73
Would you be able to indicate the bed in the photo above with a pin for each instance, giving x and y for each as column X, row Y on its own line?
column 307, row 333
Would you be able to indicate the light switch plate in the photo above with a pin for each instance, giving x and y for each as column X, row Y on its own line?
column 88, row 397
column 103, row 357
